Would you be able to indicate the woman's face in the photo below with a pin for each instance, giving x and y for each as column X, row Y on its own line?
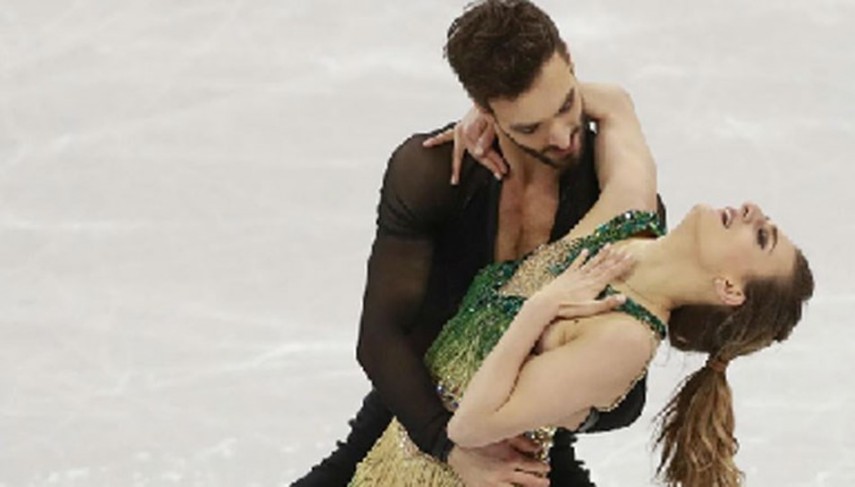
column 736, row 245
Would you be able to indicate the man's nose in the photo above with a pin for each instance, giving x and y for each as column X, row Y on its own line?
column 560, row 135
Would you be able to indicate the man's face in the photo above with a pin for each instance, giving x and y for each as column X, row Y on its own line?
column 546, row 122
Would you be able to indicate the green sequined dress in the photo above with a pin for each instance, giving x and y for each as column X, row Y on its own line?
column 493, row 300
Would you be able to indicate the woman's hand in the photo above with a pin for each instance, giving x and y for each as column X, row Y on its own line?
column 573, row 293
column 474, row 133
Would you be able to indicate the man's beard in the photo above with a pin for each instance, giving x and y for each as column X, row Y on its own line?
column 563, row 163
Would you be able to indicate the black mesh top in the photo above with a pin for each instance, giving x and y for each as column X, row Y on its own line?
column 431, row 240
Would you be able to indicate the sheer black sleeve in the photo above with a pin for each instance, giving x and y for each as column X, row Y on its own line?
column 415, row 202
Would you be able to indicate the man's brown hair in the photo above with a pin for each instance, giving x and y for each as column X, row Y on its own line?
column 497, row 48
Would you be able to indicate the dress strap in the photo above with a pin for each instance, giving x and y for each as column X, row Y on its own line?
column 639, row 312
column 621, row 227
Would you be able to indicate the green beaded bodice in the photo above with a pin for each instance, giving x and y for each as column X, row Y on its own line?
column 488, row 308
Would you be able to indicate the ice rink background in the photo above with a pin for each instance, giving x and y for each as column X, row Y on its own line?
column 187, row 195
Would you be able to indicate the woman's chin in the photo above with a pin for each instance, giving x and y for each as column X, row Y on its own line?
column 690, row 219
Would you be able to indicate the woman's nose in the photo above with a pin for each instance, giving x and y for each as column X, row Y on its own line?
column 750, row 212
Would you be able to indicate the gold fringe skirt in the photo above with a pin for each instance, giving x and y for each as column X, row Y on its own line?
column 395, row 461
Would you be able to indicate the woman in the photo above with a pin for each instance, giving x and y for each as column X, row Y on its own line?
column 531, row 354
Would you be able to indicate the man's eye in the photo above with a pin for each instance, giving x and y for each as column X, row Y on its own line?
column 528, row 130
column 762, row 237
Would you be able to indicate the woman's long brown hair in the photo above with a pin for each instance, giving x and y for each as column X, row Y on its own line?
column 696, row 426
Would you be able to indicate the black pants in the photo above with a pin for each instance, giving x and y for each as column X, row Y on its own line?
column 337, row 469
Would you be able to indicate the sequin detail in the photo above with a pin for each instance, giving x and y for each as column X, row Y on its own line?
column 493, row 300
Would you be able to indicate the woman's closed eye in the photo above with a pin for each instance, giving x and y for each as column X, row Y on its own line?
column 762, row 237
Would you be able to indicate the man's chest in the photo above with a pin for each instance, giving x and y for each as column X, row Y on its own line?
column 525, row 220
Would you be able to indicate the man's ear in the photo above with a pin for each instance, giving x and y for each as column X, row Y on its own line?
column 729, row 292
column 483, row 110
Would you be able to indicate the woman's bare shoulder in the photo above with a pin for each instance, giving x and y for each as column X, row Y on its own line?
column 614, row 331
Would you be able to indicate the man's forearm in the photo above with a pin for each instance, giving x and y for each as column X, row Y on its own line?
column 398, row 270
column 402, row 381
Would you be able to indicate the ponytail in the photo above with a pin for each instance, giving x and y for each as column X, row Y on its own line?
column 696, row 432
column 696, row 427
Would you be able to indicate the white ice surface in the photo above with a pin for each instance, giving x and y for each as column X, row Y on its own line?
column 187, row 195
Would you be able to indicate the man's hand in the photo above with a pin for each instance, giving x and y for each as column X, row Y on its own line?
column 505, row 464
column 473, row 133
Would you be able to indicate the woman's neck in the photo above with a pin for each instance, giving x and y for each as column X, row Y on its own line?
column 664, row 276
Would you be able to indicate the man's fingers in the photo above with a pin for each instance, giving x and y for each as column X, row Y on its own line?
column 525, row 479
column 529, row 464
column 440, row 138
column 524, row 444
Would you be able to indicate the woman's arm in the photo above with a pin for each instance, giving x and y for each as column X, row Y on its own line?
column 513, row 395
column 513, row 392
column 626, row 170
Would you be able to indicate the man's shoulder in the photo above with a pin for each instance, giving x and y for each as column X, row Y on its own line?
column 431, row 166
column 417, row 195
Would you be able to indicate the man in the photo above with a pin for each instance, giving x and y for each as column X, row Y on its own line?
column 433, row 237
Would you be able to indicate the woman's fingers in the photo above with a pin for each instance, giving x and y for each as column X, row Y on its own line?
column 617, row 266
column 598, row 260
column 498, row 162
column 590, row 308
column 608, row 264
column 485, row 154
column 583, row 265
column 452, row 134
column 603, row 259
column 480, row 134
column 484, row 140
column 622, row 266
column 474, row 133
column 440, row 138
column 457, row 154
column 474, row 124
column 579, row 260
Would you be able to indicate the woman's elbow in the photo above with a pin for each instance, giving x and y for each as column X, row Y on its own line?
column 463, row 433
